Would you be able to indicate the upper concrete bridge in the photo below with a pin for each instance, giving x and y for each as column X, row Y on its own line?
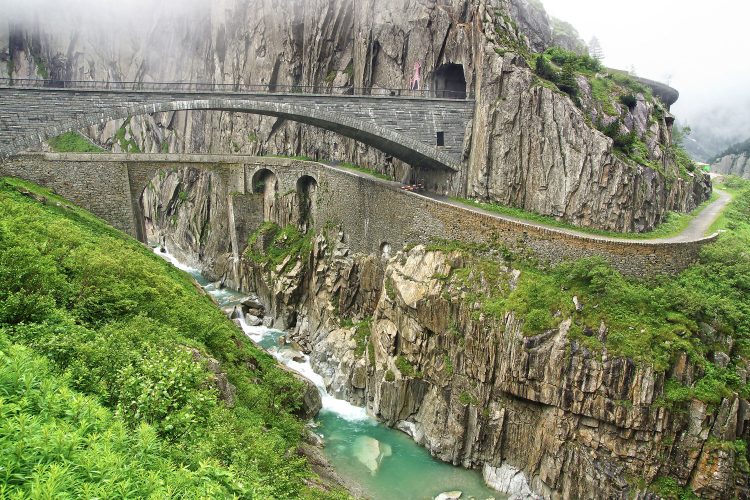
column 422, row 131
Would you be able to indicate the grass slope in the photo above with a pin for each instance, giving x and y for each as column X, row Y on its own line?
column 672, row 225
column 73, row 142
column 100, row 393
column 703, row 310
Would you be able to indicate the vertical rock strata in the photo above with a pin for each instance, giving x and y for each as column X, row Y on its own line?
column 477, row 392
column 529, row 146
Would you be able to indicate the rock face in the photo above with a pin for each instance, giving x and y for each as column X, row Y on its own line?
column 541, row 414
column 529, row 146
column 185, row 213
column 734, row 164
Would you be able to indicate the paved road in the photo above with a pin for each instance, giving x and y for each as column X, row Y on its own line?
column 695, row 231
column 700, row 224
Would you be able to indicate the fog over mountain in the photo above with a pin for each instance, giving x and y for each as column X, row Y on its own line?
column 685, row 44
column 693, row 46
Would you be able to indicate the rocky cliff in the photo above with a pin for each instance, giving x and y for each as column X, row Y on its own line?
column 735, row 160
column 428, row 340
column 738, row 165
column 530, row 145
column 407, row 337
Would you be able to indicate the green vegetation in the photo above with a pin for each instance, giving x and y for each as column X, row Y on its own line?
column 365, row 170
column 669, row 487
column 73, row 142
column 389, row 376
column 362, row 336
column 104, row 391
column 602, row 90
column 728, row 220
column 272, row 246
column 673, row 224
column 296, row 157
column 127, row 145
column 703, row 310
column 561, row 67
column 466, row 399
column 447, row 365
column 405, row 367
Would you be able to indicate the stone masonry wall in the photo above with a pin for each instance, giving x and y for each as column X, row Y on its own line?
column 371, row 212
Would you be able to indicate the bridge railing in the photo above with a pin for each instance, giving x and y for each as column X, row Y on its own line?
column 231, row 87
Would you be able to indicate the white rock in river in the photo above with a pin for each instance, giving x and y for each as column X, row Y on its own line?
column 371, row 452
column 253, row 320
column 449, row 495
column 509, row 480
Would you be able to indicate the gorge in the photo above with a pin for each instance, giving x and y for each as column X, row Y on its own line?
column 342, row 180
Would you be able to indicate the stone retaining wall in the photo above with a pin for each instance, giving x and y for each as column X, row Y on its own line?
column 371, row 212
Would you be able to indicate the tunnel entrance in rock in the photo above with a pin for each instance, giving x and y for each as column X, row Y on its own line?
column 264, row 182
column 306, row 188
column 449, row 82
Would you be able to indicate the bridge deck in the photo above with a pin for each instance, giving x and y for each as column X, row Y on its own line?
column 405, row 126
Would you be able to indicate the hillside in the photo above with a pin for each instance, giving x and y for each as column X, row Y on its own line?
column 735, row 160
column 119, row 377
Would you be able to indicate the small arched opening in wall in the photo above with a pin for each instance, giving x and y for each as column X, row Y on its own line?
column 449, row 81
column 306, row 188
column 264, row 182
column 385, row 250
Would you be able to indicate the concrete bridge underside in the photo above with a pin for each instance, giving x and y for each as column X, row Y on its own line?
column 410, row 129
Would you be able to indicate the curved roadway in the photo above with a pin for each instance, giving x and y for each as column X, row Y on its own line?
column 695, row 231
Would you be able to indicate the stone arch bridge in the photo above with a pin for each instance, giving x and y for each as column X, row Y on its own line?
column 375, row 215
column 422, row 131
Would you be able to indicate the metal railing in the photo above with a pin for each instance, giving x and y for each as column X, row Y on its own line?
column 232, row 87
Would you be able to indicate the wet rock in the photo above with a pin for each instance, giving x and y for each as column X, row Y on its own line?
column 721, row 359
column 509, row 480
column 449, row 495
column 371, row 452
column 253, row 320
column 253, row 302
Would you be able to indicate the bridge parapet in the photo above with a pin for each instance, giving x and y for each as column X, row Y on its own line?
column 422, row 131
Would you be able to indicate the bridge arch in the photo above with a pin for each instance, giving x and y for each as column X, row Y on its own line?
column 391, row 141
column 307, row 186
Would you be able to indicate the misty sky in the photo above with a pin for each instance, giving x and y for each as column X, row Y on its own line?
column 702, row 46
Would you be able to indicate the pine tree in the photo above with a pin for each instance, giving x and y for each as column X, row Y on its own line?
column 595, row 49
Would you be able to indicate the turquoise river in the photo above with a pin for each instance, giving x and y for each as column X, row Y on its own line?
column 386, row 463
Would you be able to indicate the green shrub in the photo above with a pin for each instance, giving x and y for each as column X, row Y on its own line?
column 362, row 336
column 119, row 325
column 404, row 366
column 629, row 100
column 389, row 376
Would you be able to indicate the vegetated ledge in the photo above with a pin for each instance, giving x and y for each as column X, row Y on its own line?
column 449, row 332
column 147, row 387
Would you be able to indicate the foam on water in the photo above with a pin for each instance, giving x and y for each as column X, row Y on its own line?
column 344, row 409
column 172, row 260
